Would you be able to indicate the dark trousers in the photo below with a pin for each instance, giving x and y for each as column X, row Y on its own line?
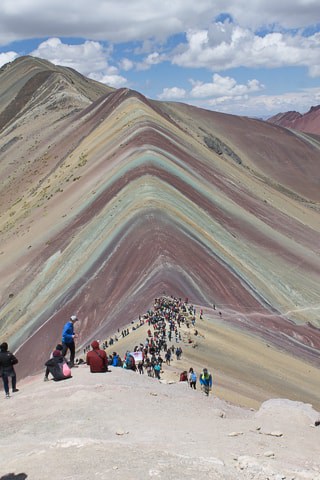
column 5, row 380
column 69, row 346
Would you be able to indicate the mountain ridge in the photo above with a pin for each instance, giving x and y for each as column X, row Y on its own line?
column 112, row 198
column 308, row 122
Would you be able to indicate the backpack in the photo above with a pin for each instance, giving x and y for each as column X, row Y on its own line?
column 193, row 377
column 66, row 370
column 129, row 361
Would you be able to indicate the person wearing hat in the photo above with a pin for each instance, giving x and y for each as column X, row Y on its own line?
column 46, row 375
column 68, row 337
column 58, row 367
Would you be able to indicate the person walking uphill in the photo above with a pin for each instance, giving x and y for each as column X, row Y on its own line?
column 206, row 381
column 7, row 360
column 68, row 337
column 97, row 359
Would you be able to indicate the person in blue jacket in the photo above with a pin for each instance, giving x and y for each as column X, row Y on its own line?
column 68, row 337
column 206, row 381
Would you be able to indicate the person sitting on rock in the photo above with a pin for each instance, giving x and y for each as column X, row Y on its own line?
column 97, row 359
column 46, row 375
column 130, row 362
column 58, row 366
column 116, row 360
column 183, row 376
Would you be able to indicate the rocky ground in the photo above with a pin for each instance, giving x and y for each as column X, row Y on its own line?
column 125, row 425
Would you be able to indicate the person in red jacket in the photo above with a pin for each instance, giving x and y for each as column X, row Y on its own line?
column 97, row 359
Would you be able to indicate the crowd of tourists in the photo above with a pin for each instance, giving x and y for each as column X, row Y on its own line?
column 162, row 343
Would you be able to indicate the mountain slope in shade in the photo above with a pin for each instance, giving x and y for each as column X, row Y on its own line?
column 309, row 122
column 107, row 199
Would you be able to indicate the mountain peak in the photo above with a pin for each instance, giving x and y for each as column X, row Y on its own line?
column 308, row 122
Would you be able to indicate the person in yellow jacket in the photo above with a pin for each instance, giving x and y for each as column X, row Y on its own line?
column 206, row 381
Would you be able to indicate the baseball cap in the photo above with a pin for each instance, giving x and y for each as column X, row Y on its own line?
column 73, row 318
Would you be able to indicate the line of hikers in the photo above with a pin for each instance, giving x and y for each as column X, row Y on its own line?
column 165, row 319
column 191, row 377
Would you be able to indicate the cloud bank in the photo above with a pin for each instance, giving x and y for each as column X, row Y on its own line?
column 113, row 41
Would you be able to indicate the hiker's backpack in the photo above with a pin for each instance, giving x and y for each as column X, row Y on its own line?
column 66, row 370
column 129, row 361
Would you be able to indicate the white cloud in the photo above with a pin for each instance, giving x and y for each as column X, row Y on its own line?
column 86, row 58
column 218, row 91
column 173, row 93
column 138, row 20
column 314, row 71
column 222, row 86
column 115, row 81
column 89, row 58
column 114, row 20
column 126, row 64
column 263, row 105
column 226, row 46
column 7, row 57
column 208, row 44
column 224, row 94
column 153, row 58
column 285, row 13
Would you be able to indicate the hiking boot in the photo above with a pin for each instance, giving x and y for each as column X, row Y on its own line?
column 15, row 390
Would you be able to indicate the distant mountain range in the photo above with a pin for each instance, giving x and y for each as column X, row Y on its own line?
column 308, row 122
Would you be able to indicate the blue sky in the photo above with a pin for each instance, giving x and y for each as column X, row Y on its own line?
column 246, row 57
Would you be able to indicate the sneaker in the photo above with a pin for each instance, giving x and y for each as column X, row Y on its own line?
column 46, row 379
column 15, row 390
column 7, row 395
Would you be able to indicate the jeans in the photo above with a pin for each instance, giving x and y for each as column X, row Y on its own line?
column 5, row 380
column 69, row 346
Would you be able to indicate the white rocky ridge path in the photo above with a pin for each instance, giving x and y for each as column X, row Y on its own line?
column 122, row 425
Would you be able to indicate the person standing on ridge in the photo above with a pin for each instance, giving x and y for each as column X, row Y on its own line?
column 7, row 360
column 68, row 337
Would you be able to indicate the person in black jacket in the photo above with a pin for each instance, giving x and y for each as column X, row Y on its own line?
column 7, row 360
column 46, row 375
column 55, row 366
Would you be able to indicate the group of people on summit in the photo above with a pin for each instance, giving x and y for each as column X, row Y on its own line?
column 164, row 322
